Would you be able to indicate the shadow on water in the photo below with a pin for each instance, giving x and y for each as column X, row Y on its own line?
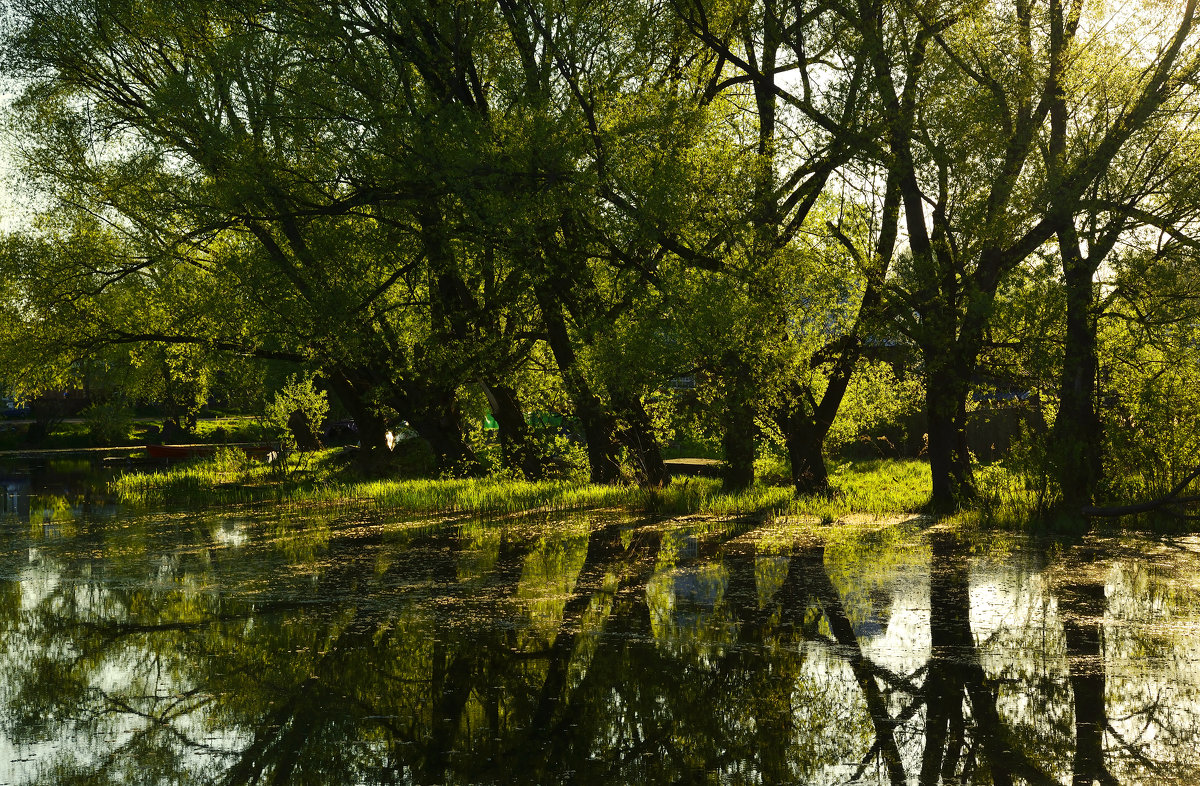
column 285, row 648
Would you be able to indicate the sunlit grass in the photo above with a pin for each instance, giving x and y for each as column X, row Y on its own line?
column 871, row 487
column 874, row 487
column 877, row 489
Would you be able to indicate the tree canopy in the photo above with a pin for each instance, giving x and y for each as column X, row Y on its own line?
column 747, row 224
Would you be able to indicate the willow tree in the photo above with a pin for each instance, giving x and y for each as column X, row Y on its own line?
column 175, row 127
column 1139, row 210
column 977, row 193
column 316, row 167
column 655, row 180
column 801, row 76
column 77, row 314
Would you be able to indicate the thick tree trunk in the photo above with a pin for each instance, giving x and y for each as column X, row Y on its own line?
column 946, row 410
column 1076, row 433
column 804, row 439
column 603, row 463
column 804, row 430
column 435, row 416
column 739, row 444
column 432, row 412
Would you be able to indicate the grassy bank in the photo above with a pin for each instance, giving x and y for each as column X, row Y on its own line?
column 872, row 487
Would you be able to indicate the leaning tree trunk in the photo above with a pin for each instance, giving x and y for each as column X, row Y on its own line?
column 598, row 425
column 638, row 437
column 374, row 454
column 516, row 444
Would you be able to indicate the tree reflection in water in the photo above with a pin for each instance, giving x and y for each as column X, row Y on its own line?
column 202, row 649
column 1083, row 603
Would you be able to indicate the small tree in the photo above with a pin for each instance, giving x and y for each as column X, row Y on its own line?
column 109, row 422
column 296, row 413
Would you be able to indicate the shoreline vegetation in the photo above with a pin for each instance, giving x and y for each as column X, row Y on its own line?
column 865, row 490
column 877, row 488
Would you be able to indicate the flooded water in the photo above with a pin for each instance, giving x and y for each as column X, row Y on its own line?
column 291, row 647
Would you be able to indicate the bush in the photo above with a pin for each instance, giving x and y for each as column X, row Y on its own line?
column 230, row 461
column 108, row 423
column 880, row 414
column 296, row 413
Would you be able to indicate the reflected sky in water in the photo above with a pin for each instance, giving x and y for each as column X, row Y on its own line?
column 291, row 647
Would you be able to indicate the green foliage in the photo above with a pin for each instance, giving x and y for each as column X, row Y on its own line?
column 564, row 457
column 109, row 422
column 585, row 202
column 876, row 411
column 297, row 406
column 230, row 462
column 689, row 430
column 231, row 429
column 1030, row 460
column 1152, row 414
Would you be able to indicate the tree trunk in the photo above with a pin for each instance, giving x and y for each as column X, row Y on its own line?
column 603, row 463
column 435, row 416
column 373, row 452
column 638, row 437
column 598, row 425
column 946, row 409
column 739, row 443
column 1076, row 433
column 804, row 439
column 516, row 445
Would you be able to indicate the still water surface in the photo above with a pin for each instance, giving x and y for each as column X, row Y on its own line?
column 309, row 648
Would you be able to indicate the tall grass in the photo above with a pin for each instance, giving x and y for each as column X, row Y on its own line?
column 202, row 484
column 876, row 487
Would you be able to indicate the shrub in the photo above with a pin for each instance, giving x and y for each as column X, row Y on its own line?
column 108, row 423
column 296, row 413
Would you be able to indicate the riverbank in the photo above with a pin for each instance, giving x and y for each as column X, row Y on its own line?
column 89, row 453
column 865, row 487
column 73, row 435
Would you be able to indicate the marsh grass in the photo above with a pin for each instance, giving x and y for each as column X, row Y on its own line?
column 873, row 487
column 1014, row 500
column 1007, row 499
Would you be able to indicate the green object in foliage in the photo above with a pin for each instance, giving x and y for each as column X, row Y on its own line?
column 489, row 423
